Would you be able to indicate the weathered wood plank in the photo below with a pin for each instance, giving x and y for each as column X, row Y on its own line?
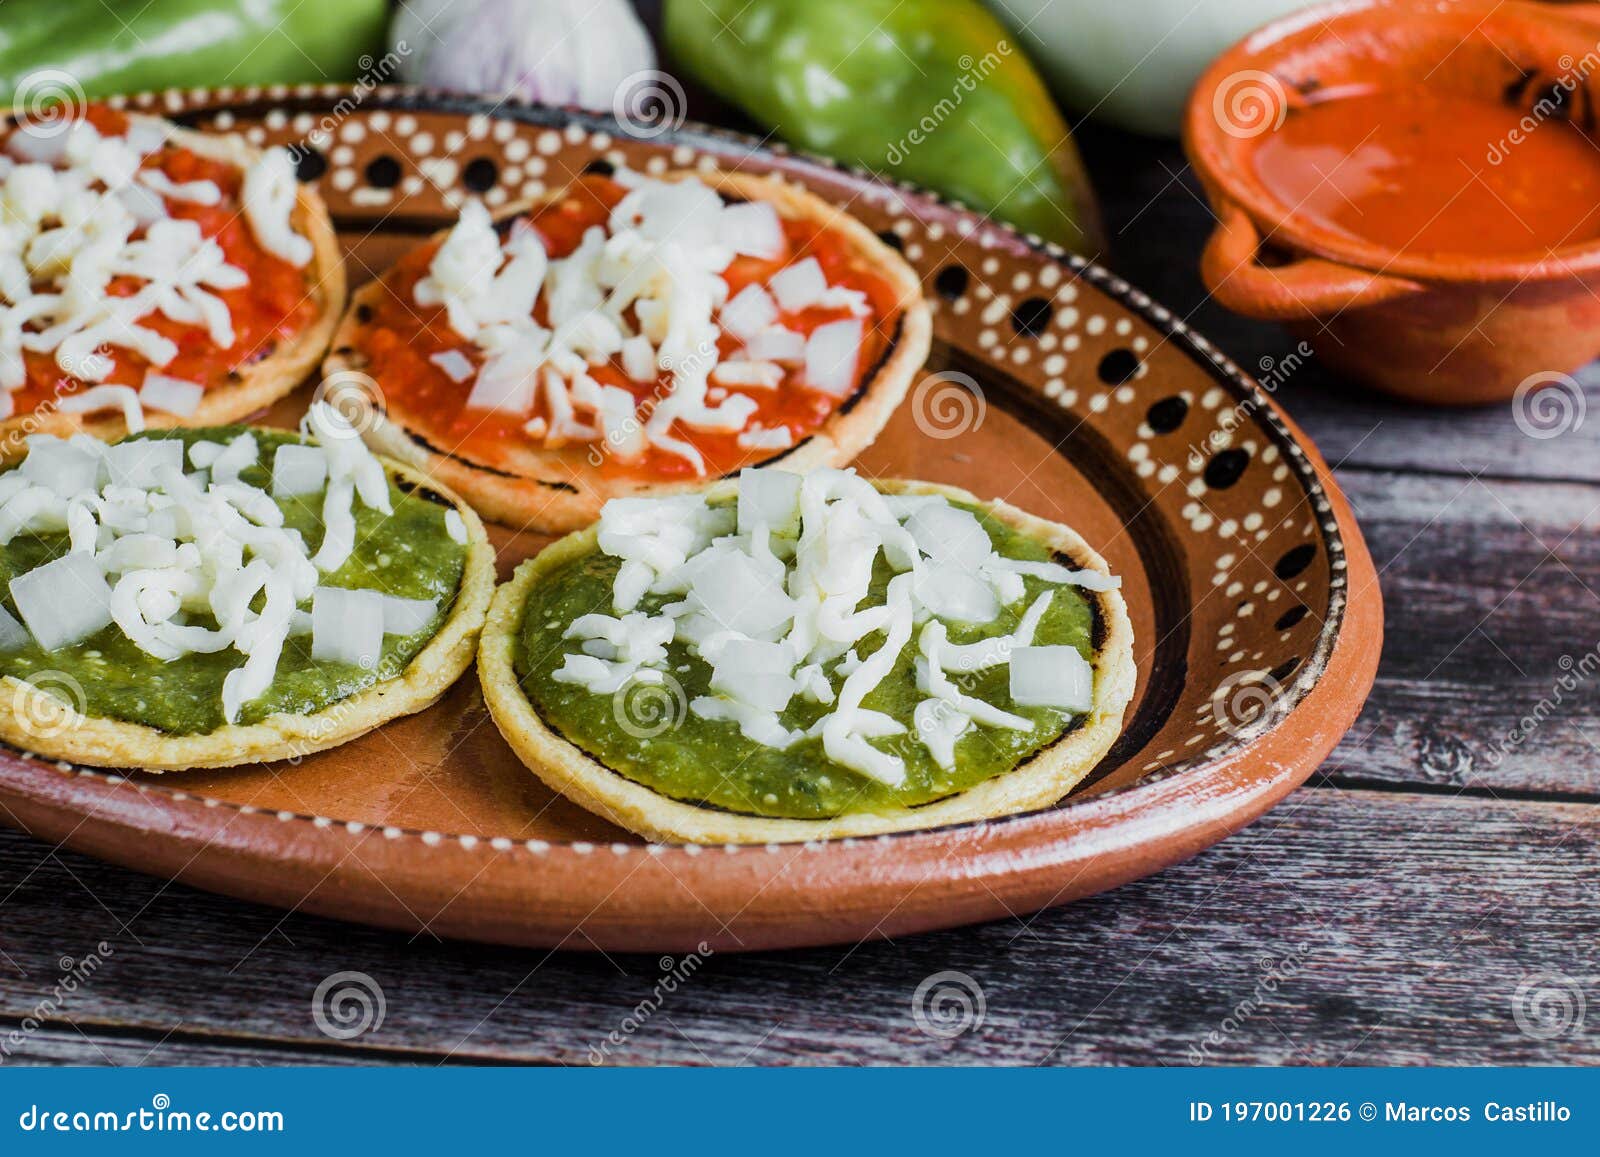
column 1490, row 591
column 1158, row 221
column 93, row 1045
column 1347, row 927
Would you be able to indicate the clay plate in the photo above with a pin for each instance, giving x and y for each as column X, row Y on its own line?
column 1053, row 385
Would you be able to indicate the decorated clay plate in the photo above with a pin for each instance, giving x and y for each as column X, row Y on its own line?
column 1053, row 385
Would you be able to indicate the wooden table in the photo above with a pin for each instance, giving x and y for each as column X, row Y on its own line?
column 1433, row 889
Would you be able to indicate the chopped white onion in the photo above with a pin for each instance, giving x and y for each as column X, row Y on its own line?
column 13, row 635
column 60, row 467
column 953, row 593
column 144, row 203
column 407, row 616
column 347, row 626
column 685, row 211
column 38, row 148
column 639, row 359
column 776, row 344
column 769, row 498
column 748, row 312
column 755, row 673
column 298, row 470
column 754, row 229
column 171, row 395
column 741, row 596
column 146, row 135
column 140, row 463
column 950, row 535
column 832, row 352
column 239, row 455
column 1054, row 676
column 505, row 385
column 456, row 365
column 799, row 285
column 748, row 375
column 63, row 601
column 759, row 437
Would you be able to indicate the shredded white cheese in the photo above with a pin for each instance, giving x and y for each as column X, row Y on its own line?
column 645, row 294
column 775, row 593
column 269, row 199
column 96, row 398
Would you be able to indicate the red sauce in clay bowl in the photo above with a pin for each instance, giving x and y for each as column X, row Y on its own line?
column 1413, row 189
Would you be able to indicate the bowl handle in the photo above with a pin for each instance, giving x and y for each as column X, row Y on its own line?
column 1307, row 288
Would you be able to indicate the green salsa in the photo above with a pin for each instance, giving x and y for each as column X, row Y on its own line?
column 410, row 554
column 710, row 762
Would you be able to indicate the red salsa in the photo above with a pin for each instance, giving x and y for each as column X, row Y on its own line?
column 1424, row 171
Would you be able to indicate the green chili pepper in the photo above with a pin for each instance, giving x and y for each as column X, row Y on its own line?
column 933, row 91
column 107, row 48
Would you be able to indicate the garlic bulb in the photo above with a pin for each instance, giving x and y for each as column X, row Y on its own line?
column 561, row 52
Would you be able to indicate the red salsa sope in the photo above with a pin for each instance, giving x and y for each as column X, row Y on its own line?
column 401, row 338
column 276, row 307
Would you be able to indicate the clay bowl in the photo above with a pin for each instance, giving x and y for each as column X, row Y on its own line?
column 1053, row 384
column 1443, row 329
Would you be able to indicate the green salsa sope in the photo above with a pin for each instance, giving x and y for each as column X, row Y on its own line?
column 410, row 554
column 711, row 762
